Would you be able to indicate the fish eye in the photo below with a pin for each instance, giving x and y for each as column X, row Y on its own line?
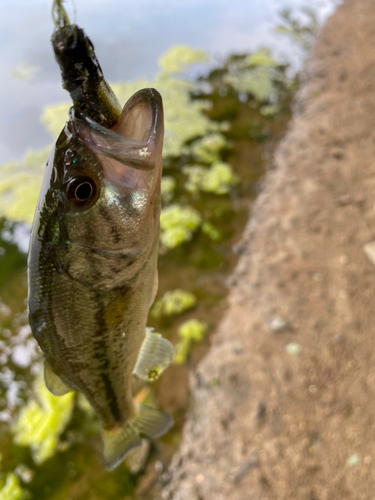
column 81, row 191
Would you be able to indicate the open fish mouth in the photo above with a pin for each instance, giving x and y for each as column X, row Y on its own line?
column 131, row 150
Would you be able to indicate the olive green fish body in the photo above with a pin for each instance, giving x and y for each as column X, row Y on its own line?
column 93, row 253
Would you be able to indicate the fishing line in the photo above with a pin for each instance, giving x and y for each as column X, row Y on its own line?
column 60, row 16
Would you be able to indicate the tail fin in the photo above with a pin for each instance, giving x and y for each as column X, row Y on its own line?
column 118, row 442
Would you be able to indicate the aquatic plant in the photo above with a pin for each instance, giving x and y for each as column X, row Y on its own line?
column 10, row 488
column 177, row 224
column 212, row 232
column 190, row 333
column 20, row 185
column 168, row 185
column 184, row 121
column 42, row 420
column 207, row 149
column 257, row 81
column 270, row 109
column 179, row 57
column 218, row 179
column 173, row 302
column 261, row 57
column 183, row 116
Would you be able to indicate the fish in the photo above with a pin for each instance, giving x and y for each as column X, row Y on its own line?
column 92, row 262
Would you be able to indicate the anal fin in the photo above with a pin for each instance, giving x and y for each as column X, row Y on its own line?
column 54, row 383
column 155, row 356
column 119, row 441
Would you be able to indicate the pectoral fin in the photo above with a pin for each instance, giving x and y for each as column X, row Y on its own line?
column 118, row 442
column 54, row 383
column 155, row 355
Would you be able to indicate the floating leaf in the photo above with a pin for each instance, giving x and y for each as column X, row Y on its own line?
column 211, row 231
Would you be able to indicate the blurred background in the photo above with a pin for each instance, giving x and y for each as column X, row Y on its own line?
column 227, row 72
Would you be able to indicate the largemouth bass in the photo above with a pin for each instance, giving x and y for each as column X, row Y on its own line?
column 93, row 259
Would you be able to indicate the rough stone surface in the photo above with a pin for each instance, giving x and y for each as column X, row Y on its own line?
column 264, row 424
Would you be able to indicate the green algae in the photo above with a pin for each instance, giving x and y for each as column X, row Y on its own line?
column 211, row 231
column 183, row 116
column 20, row 184
column 184, row 121
column 173, row 302
column 10, row 488
column 179, row 57
column 270, row 109
column 168, row 186
column 42, row 420
column 177, row 224
column 262, row 57
column 190, row 333
column 208, row 149
column 217, row 179
column 258, row 81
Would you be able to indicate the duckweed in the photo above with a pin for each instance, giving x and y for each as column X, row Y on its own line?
column 41, row 422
